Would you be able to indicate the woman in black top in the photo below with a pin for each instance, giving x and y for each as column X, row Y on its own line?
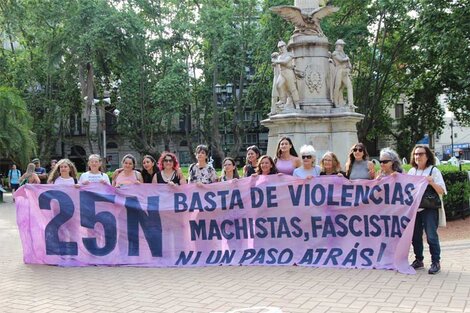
column 149, row 168
column 170, row 172
column 252, row 156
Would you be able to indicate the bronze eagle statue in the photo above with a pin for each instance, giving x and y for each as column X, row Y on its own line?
column 306, row 23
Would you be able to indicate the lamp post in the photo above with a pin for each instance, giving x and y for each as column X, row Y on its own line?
column 224, row 96
column 452, row 137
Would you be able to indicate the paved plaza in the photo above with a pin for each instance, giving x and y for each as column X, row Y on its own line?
column 28, row 288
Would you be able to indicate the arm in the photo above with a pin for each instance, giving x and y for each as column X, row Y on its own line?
column 139, row 178
column 36, row 179
column 181, row 177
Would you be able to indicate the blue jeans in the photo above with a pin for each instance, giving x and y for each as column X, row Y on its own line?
column 427, row 220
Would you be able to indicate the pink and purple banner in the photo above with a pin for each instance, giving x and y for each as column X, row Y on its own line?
column 265, row 220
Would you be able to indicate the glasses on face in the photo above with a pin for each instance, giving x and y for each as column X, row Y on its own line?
column 306, row 157
column 167, row 160
column 419, row 153
column 357, row 150
column 384, row 161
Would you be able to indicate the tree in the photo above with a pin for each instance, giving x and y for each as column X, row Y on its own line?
column 17, row 140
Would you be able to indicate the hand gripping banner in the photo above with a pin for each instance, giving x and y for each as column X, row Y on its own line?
column 327, row 221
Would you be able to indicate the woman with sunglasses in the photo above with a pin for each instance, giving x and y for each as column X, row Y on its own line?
column 427, row 220
column 286, row 159
column 358, row 165
column 169, row 170
column 252, row 155
column 389, row 163
column 308, row 168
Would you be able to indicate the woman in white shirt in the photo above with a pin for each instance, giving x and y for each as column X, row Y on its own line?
column 423, row 160
column 94, row 175
column 308, row 169
column 64, row 173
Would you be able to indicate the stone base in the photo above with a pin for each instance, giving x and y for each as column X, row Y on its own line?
column 326, row 131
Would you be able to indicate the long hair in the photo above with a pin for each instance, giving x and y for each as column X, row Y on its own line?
column 351, row 158
column 176, row 164
column 431, row 158
column 335, row 161
column 278, row 150
column 256, row 150
column 235, row 171
column 30, row 170
column 273, row 168
column 56, row 171
column 154, row 167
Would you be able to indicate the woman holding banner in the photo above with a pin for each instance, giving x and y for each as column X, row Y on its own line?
column 252, row 156
column 169, row 170
column 229, row 170
column 266, row 166
column 64, row 173
column 308, row 168
column 330, row 165
column 128, row 175
column 94, row 174
column 202, row 172
column 358, row 165
column 423, row 161
column 389, row 163
column 286, row 159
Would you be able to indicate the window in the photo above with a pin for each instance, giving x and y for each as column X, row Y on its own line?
column 251, row 138
column 399, row 110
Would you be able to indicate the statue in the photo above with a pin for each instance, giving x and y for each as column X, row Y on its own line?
column 341, row 76
column 285, row 82
column 305, row 23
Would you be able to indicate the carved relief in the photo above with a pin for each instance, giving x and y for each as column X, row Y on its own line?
column 313, row 79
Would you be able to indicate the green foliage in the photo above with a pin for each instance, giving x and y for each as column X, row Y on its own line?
column 16, row 136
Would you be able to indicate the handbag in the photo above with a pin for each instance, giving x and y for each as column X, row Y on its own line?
column 442, row 217
column 430, row 199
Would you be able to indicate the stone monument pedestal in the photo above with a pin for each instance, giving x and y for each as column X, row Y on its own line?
column 326, row 131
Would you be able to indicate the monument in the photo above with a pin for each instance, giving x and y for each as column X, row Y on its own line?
column 312, row 95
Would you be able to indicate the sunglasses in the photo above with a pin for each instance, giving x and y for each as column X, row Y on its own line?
column 167, row 160
column 306, row 157
column 384, row 161
column 419, row 153
column 357, row 149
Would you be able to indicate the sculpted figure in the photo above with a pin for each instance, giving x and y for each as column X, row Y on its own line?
column 274, row 93
column 341, row 76
column 285, row 82
column 305, row 23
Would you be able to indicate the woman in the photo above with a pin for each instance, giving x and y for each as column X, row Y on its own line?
column 266, row 166
column 94, row 174
column 309, row 158
column 169, row 170
column 128, row 175
column 252, row 155
column 389, row 163
column 423, row 161
column 202, row 172
column 229, row 170
column 64, row 173
column 286, row 157
column 358, row 165
column 149, row 169
column 30, row 176
column 330, row 165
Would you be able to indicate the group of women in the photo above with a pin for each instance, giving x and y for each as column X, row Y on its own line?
column 358, row 166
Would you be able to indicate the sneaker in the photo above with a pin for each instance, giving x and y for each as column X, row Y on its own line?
column 417, row 264
column 435, row 268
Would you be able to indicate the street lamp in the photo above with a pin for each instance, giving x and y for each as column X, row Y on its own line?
column 224, row 96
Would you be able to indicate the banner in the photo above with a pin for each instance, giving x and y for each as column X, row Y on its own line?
column 327, row 221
